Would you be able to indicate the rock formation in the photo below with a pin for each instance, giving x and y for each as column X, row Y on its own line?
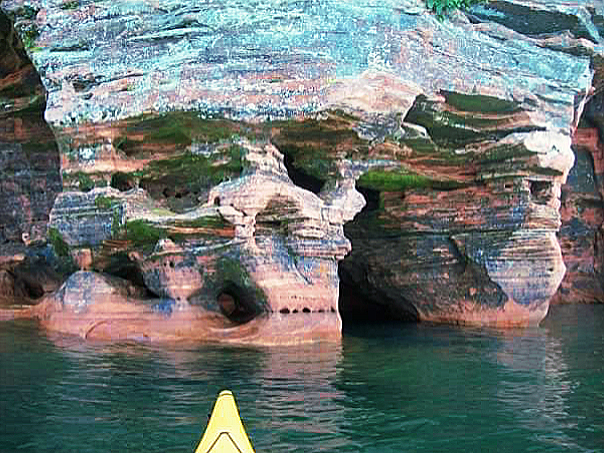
column 582, row 211
column 217, row 157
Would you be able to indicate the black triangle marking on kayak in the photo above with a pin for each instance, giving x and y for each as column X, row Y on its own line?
column 226, row 433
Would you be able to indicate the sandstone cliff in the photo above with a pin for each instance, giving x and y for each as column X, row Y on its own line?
column 242, row 163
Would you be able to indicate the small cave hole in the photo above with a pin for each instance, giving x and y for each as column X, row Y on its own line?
column 217, row 201
column 295, row 310
column 172, row 264
column 541, row 191
column 284, row 311
column 301, row 178
column 122, row 181
column 321, row 310
column 306, row 310
column 236, row 305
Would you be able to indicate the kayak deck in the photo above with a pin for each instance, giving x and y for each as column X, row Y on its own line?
column 225, row 432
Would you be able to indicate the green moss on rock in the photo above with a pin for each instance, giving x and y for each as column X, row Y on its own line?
column 58, row 243
column 479, row 103
column 70, row 4
column 176, row 130
column 314, row 146
column 103, row 202
column 389, row 181
column 503, row 153
column 186, row 177
column 143, row 233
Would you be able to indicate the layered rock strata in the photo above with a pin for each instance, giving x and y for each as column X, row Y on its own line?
column 582, row 212
column 29, row 157
column 211, row 155
column 256, row 263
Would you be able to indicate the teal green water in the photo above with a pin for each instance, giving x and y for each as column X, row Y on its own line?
column 386, row 388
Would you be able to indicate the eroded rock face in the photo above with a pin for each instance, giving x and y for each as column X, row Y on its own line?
column 29, row 157
column 214, row 156
column 260, row 252
column 582, row 217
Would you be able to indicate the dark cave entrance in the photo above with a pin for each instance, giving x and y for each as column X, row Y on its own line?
column 360, row 301
column 236, row 303
column 301, row 178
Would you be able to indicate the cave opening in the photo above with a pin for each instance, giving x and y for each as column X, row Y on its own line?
column 360, row 302
column 236, row 304
column 301, row 178
column 541, row 191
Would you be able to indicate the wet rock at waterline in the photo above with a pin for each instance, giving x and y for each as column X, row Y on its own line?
column 228, row 161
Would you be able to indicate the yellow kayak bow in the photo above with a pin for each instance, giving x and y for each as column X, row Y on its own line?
column 225, row 432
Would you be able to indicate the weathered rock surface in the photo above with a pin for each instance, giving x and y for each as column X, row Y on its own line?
column 233, row 137
column 96, row 306
column 29, row 157
column 582, row 212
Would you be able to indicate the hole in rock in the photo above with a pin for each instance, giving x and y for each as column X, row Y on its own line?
column 306, row 310
column 372, row 199
column 541, row 191
column 301, row 178
column 120, row 265
column 122, row 181
column 365, row 298
column 284, row 311
column 359, row 304
column 236, row 305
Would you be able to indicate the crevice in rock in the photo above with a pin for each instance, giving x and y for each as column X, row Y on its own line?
column 120, row 265
column 29, row 156
column 302, row 179
column 122, row 181
column 356, row 306
column 372, row 200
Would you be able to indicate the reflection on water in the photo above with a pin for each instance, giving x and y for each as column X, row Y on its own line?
column 386, row 388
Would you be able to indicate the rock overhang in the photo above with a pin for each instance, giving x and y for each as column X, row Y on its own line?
column 263, row 61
